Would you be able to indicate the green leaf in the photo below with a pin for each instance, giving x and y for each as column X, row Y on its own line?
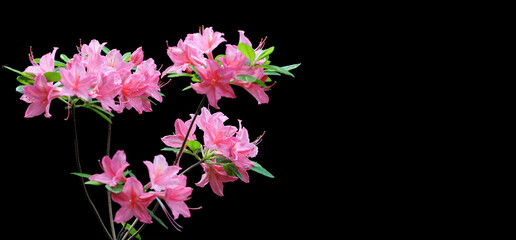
column 100, row 113
column 176, row 150
column 105, row 50
column 126, row 57
column 194, row 145
column 259, row 169
column 265, row 53
column 64, row 58
column 52, row 76
column 247, row 50
column 133, row 231
column 20, row 89
column 25, row 80
column 231, row 169
column 174, row 74
column 157, row 219
column 116, row 189
column 291, row 67
column 277, row 69
column 94, row 183
column 84, row 175
column 251, row 79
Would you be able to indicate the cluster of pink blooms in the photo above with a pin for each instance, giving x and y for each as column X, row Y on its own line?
column 223, row 144
column 134, row 198
column 196, row 53
column 228, row 142
column 90, row 75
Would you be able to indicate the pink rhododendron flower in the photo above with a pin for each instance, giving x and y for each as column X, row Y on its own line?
column 206, row 41
column 46, row 63
column 108, row 87
column 162, row 175
column 216, row 176
column 214, row 82
column 175, row 197
column 133, row 202
column 93, row 47
column 176, row 140
column 137, row 56
column 113, row 169
column 184, row 55
column 242, row 149
column 216, row 134
column 75, row 81
column 39, row 96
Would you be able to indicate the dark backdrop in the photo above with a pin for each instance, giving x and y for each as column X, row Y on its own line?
column 44, row 199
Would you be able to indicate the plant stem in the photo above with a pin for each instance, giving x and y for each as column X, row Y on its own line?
column 190, row 168
column 110, row 207
column 79, row 169
column 183, row 146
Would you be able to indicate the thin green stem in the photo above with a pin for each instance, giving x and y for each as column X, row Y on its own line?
column 79, row 169
column 110, row 206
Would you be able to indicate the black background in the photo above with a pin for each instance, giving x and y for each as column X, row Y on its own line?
column 303, row 145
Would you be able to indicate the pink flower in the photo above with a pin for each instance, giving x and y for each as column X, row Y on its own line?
column 162, row 175
column 46, row 63
column 108, row 87
column 214, row 82
column 113, row 169
column 216, row 176
column 176, row 140
column 217, row 136
column 133, row 202
column 137, row 57
column 39, row 96
column 206, row 41
column 255, row 90
column 93, row 47
column 242, row 149
column 133, row 86
column 175, row 197
column 183, row 56
column 75, row 81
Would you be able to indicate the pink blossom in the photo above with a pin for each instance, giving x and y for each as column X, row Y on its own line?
column 175, row 197
column 216, row 134
column 108, row 87
column 133, row 202
column 255, row 90
column 133, row 86
column 176, row 140
column 93, row 47
column 75, row 81
column 162, row 175
column 137, row 57
column 151, row 78
column 46, row 63
column 206, row 41
column 114, row 60
column 113, row 169
column 216, row 176
column 184, row 55
column 242, row 149
column 214, row 82
column 39, row 96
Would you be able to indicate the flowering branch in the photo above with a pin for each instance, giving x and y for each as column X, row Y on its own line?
column 107, row 82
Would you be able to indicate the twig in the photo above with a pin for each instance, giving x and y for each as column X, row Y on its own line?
column 183, row 146
column 79, row 169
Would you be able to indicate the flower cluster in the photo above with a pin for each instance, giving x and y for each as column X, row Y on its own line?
column 241, row 65
column 225, row 153
column 92, row 78
column 134, row 198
